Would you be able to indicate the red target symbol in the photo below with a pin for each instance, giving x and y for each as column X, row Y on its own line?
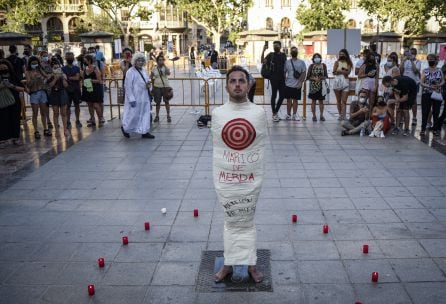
column 238, row 134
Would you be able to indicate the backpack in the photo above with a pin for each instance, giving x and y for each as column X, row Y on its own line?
column 268, row 69
column 203, row 121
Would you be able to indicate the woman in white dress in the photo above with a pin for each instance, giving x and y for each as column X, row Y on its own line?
column 136, row 117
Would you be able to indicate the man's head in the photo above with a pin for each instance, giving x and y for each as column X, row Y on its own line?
column 413, row 52
column 127, row 53
column 387, row 81
column 91, row 50
column 432, row 60
column 362, row 97
column 69, row 57
column 27, row 50
column 373, row 47
column 83, row 50
column 160, row 60
column 58, row 52
column 237, row 83
column 98, row 47
column 12, row 49
column 277, row 45
column 294, row 52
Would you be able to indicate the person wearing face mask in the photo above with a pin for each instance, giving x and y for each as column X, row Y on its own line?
column 431, row 81
column 361, row 61
column 136, row 117
column 160, row 84
column 295, row 71
column 10, row 104
column 359, row 116
column 317, row 74
column 73, row 89
column 46, row 68
column 91, row 90
column 58, row 97
column 36, row 81
column 27, row 52
column 277, row 61
column 411, row 67
column 405, row 93
column 341, row 86
column 391, row 69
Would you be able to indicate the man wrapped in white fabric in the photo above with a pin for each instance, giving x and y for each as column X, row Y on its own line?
column 239, row 132
column 136, row 117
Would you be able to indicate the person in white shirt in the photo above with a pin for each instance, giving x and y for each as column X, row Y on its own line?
column 411, row 67
column 295, row 73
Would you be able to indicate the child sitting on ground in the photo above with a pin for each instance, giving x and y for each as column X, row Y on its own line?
column 380, row 119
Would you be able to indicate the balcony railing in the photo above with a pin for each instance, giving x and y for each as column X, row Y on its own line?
column 173, row 24
column 143, row 25
column 66, row 8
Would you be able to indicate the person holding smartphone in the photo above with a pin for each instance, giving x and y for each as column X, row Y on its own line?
column 411, row 67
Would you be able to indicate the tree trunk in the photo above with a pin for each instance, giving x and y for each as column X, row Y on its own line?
column 126, row 39
column 216, row 40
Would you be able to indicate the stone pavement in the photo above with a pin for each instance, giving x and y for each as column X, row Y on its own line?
column 391, row 194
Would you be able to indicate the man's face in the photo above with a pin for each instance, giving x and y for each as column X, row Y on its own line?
column 237, row 86
column 276, row 47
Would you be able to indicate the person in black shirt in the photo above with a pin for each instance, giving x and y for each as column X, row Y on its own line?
column 213, row 54
column 277, row 59
column 17, row 63
column 405, row 92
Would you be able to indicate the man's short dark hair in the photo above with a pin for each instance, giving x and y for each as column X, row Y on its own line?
column 413, row 50
column 236, row 68
column 12, row 49
column 278, row 42
column 387, row 79
column 373, row 47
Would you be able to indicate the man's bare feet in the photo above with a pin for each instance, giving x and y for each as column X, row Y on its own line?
column 256, row 275
column 222, row 273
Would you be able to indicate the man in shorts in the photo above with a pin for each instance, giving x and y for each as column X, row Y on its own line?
column 405, row 91
column 295, row 73
column 359, row 116
column 73, row 89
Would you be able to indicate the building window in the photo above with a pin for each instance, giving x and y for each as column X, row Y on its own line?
column 269, row 24
column 125, row 15
column 354, row 4
column 54, row 24
column 269, row 3
column 286, row 3
column 2, row 20
column 351, row 23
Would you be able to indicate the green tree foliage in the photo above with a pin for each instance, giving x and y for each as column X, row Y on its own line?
column 215, row 16
column 98, row 22
column 113, row 9
column 414, row 13
column 21, row 12
column 316, row 15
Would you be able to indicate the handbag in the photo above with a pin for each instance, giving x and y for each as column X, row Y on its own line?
column 296, row 74
column 436, row 96
column 340, row 82
column 167, row 91
column 6, row 98
column 325, row 88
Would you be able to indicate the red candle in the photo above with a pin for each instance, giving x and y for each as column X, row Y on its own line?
column 365, row 248
column 294, row 218
column 195, row 212
column 125, row 240
column 325, row 228
column 101, row 262
column 374, row 276
column 147, row 226
column 91, row 289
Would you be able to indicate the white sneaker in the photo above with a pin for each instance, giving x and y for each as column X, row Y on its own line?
column 382, row 134
column 276, row 118
column 296, row 117
column 372, row 134
column 288, row 117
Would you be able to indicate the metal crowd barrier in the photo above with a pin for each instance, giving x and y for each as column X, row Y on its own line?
column 204, row 93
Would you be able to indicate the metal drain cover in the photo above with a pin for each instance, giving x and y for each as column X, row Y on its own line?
column 211, row 258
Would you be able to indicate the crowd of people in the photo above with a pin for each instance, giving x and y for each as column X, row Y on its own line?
column 378, row 106
column 60, row 83
column 52, row 82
